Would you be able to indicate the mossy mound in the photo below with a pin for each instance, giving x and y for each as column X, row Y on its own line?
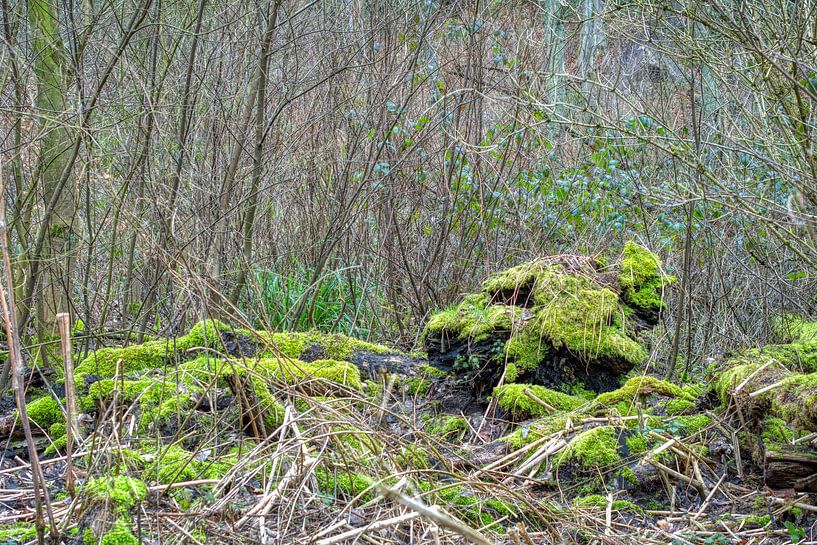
column 529, row 401
column 44, row 412
column 596, row 448
column 156, row 354
column 121, row 492
column 599, row 445
column 115, row 496
column 790, row 396
column 169, row 377
column 597, row 501
column 555, row 321
column 780, row 380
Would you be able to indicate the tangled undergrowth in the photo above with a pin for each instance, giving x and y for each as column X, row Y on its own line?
column 238, row 436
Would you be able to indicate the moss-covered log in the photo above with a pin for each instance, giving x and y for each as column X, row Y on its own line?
column 775, row 390
column 761, row 385
column 556, row 321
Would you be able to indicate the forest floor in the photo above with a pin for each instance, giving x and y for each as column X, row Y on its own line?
column 386, row 449
column 529, row 419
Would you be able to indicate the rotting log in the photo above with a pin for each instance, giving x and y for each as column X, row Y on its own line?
column 791, row 467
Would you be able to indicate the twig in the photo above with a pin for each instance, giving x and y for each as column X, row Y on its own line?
column 752, row 375
column 441, row 519
column 541, row 402
column 379, row 525
column 680, row 476
column 71, row 427
column 187, row 534
column 508, row 458
column 768, row 388
column 18, row 380
column 803, row 506
column 705, row 503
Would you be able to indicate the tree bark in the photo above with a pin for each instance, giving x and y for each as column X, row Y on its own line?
column 51, row 100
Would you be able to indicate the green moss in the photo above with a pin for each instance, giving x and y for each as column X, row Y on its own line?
column 450, row 428
column 776, row 432
column 793, row 398
column 795, row 401
column 797, row 356
column 568, row 310
column 339, row 372
column 268, row 404
column 515, row 278
column 289, row 344
column 44, row 411
column 88, row 537
column 627, row 475
column 694, row 391
column 18, row 532
column 693, row 423
column 373, row 389
column 797, row 329
column 120, row 534
column 172, row 464
column 574, row 312
column 526, row 350
column 579, row 390
column 758, row 521
column 593, row 448
column 79, row 327
column 596, row 501
column 732, row 376
column 203, row 334
column 417, row 386
column 640, row 278
column 317, row 375
column 145, row 390
column 288, row 371
column 357, row 442
column 334, row 346
column 123, row 492
column 525, row 435
column 413, row 457
column 341, row 347
column 149, row 355
column 431, row 372
column 676, row 406
column 637, row 444
column 162, row 413
column 511, row 373
column 471, row 508
column 474, row 319
column 640, row 386
column 341, row 482
column 515, row 398
column 56, row 429
column 58, row 439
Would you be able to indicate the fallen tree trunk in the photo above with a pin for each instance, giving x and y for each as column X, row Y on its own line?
column 791, row 467
column 761, row 388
